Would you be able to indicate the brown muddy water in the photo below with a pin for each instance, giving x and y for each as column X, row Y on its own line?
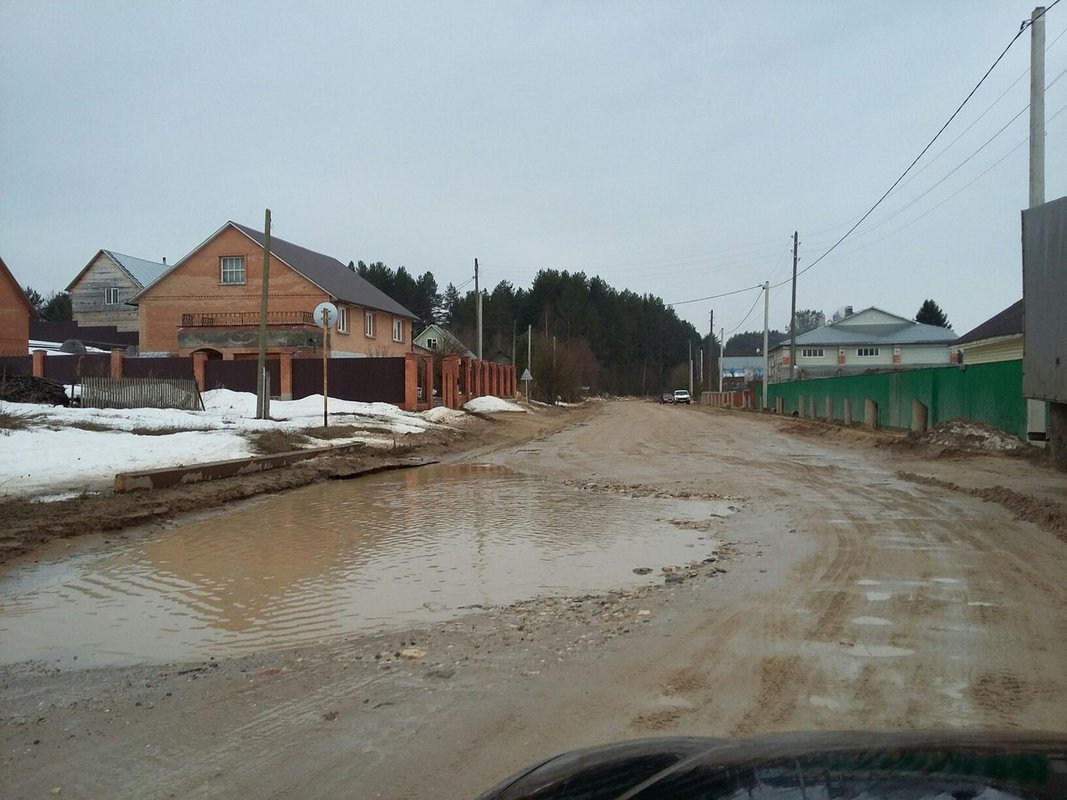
column 386, row 551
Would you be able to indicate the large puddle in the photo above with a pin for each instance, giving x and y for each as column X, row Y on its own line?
column 381, row 552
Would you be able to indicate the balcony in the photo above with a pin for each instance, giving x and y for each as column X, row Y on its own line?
column 246, row 319
column 238, row 331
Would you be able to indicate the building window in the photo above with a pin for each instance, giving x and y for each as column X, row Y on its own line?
column 866, row 351
column 398, row 330
column 233, row 269
column 368, row 324
column 342, row 319
column 811, row 352
column 431, row 344
column 111, row 296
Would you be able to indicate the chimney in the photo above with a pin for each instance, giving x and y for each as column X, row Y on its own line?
column 848, row 311
column 164, row 261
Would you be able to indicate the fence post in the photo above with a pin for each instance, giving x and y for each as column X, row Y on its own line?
column 828, row 409
column 38, row 363
column 870, row 413
column 919, row 416
column 450, row 381
column 117, row 357
column 285, row 368
column 847, row 412
column 199, row 370
column 411, row 381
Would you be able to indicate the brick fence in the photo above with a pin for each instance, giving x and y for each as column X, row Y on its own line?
column 407, row 382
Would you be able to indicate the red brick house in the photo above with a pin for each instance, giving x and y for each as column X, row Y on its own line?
column 15, row 314
column 210, row 300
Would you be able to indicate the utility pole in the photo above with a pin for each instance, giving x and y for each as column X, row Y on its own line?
column 690, row 367
column 711, row 343
column 478, row 296
column 1037, row 107
column 793, row 318
column 722, row 353
column 1056, row 435
column 262, row 400
column 766, row 336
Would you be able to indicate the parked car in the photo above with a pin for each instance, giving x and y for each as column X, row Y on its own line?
column 681, row 396
column 667, row 397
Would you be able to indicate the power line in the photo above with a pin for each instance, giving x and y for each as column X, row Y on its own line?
column 930, row 144
column 749, row 314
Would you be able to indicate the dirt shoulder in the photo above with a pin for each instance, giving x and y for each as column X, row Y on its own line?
column 29, row 525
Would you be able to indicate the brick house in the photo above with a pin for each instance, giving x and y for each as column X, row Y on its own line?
column 98, row 293
column 15, row 314
column 209, row 302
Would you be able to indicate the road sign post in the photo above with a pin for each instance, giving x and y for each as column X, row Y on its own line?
column 325, row 315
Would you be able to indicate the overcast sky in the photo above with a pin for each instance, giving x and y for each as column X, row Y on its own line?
column 671, row 148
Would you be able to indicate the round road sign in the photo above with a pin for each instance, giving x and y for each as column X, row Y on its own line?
column 325, row 315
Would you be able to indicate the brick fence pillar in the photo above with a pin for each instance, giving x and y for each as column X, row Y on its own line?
column 427, row 392
column 38, row 363
column 117, row 357
column 450, row 381
column 285, row 367
column 199, row 370
column 411, row 381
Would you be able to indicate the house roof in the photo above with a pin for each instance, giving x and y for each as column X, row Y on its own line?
column 1007, row 323
column 328, row 274
column 446, row 335
column 141, row 272
column 853, row 330
column 5, row 274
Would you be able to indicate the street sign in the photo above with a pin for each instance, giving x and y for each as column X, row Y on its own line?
column 526, row 376
column 325, row 315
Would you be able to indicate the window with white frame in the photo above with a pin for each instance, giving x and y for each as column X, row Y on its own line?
column 431, row 344
column 398, row 330
column 811, row 352
column 111, row 296
column 232, row 270
column 865, row 352
column 368, row 324
column 342, row 319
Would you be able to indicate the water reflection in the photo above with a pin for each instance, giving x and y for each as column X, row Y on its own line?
column 395, row 548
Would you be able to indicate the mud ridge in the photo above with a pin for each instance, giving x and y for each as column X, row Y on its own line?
column 1046, row 514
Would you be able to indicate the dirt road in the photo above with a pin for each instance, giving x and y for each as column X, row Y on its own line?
column 855, row 591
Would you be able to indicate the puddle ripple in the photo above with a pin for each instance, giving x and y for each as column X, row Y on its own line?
column 354, row 556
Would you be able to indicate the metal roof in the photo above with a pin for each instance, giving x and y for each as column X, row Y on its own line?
column 328, row 274
column 1008, row 322
column 143, row 272
column 853, row 331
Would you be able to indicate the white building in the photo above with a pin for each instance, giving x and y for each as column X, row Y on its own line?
column 871, row 339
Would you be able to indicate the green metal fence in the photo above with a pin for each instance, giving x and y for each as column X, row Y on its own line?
column 989, row 393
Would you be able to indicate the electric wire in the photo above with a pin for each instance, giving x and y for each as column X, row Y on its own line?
column 749, row 314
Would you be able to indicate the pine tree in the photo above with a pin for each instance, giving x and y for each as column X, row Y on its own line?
column 930, row 313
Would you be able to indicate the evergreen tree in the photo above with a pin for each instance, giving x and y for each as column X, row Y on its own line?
column 930, row 313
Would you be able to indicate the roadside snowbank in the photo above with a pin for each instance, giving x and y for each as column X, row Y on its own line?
column 490, row 405
column 58, row 449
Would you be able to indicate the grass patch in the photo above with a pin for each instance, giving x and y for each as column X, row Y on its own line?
column 160, row 431
column 96, row 427
column 336, row 432
column 11, row 422
column 271, row 442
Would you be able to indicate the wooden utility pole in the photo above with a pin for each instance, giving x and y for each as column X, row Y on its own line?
column 793, row 318
column 262, row 399
column 766, row 336
column 478, row 298
column 711, row 343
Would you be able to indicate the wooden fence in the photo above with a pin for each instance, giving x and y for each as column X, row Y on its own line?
column 100, row 392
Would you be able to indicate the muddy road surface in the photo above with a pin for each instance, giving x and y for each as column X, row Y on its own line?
column 855, row 586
